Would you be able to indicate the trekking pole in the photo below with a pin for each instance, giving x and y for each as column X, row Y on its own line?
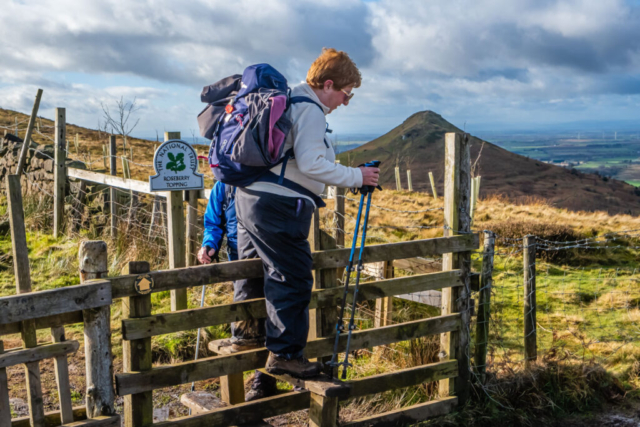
column 340, row 326
column 193, row 384
column 346, row 363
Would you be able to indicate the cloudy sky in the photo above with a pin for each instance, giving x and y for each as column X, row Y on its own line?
column 492, row 64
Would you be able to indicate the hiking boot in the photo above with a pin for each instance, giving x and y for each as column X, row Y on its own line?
column 227, row 346
column 263, row 385
column 299, row 368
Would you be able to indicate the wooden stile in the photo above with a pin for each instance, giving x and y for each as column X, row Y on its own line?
column 457, row 221
column 138, row 408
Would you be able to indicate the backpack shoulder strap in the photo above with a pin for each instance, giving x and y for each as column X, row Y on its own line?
column 298, row 99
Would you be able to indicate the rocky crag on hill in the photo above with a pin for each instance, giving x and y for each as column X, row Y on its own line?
column 418, row 144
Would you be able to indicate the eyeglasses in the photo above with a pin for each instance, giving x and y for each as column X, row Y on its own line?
column 349, row 95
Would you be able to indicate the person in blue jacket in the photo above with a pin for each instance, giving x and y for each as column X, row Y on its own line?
column 220, row 219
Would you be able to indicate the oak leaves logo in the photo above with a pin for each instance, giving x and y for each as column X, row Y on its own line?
column 177, row 162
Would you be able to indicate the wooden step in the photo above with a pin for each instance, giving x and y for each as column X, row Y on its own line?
column 322, row 385
column 201, row 402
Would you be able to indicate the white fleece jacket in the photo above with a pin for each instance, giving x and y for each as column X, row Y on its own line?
column 314, row 164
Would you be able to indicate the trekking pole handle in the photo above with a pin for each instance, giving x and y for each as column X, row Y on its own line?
column 366, row 189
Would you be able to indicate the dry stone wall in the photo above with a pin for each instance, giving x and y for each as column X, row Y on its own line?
column 39, row 165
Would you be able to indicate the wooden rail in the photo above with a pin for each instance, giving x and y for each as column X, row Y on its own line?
column 180, row 278
column 123, row 183
column 212, row 367
column 255, row 309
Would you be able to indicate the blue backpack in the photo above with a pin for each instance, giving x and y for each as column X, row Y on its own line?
column 248, row 120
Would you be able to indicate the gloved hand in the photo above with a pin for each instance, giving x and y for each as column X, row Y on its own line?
column 369, row 178
column 207, row 254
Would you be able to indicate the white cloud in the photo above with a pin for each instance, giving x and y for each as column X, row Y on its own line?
column 450, row 56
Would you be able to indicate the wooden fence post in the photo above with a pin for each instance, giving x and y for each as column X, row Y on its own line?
column 455, row 345
column 409, row 184
column 192, row 227
column 398, row 183
column 60, row 172
column 27, row 138
column 433, row 186
column 138, row 408
column 484, row 304
column 384, row 306
column 112, row 191
column 100, row 395
column 22, row 274
column 530, row 334
column 177, row 235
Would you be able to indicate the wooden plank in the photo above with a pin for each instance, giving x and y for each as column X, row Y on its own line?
column 102, row 421
column 123, row 286
column 457, row 300
column 34, row 388
column 403, row 378
column 51, row 302
column 45, row 351
column 112, row 181
column 255, row 309
column 408, row 416
column 62, row 377
column 484, row 305
column 530, row 334
column 51, row 419
column 136, row 354
column 232, row 388
column 59, row 172
column 27, row 137
column 244, row 412
column 97, row 336
column 5, row 406
column 44, row 322
column 212, row 367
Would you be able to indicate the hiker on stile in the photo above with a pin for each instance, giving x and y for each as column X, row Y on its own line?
column 269, row 142
column 220, row 219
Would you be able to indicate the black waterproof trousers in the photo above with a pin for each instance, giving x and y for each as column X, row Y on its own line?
column 276, row 229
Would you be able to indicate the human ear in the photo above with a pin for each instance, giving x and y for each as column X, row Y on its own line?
column 328, row 84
